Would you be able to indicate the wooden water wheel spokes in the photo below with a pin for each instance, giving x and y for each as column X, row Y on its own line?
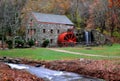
column 69, row 38
column 66, row 39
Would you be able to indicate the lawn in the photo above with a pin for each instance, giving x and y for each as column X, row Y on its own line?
column 37, row 54
column 105, row 50
column 46, row 54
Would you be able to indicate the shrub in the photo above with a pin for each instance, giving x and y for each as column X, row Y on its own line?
column 9, row 42
column 45, row 43
column 31, row 43
column 19, row 43
column 116, row 34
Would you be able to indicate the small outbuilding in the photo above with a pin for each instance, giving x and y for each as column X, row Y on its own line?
column 41, row 27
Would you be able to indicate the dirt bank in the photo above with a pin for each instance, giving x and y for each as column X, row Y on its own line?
column 104, row 69
column 8, row 74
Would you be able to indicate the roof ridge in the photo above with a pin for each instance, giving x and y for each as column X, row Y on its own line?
column 49, row 14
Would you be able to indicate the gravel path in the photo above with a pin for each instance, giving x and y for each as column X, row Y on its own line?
column 83, row 54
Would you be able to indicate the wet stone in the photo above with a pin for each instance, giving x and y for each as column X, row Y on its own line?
column 10, row 60
column 38, row 65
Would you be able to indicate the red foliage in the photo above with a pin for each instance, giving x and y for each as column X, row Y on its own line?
column 115, row 3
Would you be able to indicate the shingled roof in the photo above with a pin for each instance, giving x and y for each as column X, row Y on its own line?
column 51, row 18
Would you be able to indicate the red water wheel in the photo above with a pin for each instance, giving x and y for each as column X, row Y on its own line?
column 66, row 39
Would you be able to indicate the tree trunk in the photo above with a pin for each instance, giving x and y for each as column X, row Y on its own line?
column 2, row 38
column 13, row 42
column 2, row 42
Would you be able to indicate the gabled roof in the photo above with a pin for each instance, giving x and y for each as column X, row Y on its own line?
column 51, row 18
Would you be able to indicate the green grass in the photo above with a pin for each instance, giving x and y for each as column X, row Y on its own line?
column 105, row 50
column 37, row 54
column 46, row 54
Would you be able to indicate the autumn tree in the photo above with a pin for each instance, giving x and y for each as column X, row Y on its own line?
column 11, row 18
column 60, row 6
column 106, row 17
column 2, row 24
column 114, row 17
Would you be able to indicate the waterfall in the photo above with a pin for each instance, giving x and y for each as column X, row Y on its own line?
column 87, row 37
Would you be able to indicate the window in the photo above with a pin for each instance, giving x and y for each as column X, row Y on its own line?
column 31, row 23
column 34, row 31
column 43, row 39
column 51, row 30
column 28, row 39
column 31, row 20
column 58, row 31
column 43, row 30
column 28, row 31
column 51, row 40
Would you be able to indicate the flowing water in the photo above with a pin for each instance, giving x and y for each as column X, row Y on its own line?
column 87, row 37
column 52, row 75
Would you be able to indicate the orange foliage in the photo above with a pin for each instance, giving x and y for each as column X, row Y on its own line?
column 62, row 5
column 115, row 3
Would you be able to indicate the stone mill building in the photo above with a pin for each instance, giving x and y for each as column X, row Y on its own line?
column 42, row 26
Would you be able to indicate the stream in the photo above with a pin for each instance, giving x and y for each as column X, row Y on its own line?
column 52, row 75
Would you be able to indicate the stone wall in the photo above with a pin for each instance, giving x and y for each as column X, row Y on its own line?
column 51, row 32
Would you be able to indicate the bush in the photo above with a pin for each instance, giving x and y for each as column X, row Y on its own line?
column 9, row 42
column 19, row 43
column 0, row 36
column 31, row 43
column 45, row 43
column 116, row 34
